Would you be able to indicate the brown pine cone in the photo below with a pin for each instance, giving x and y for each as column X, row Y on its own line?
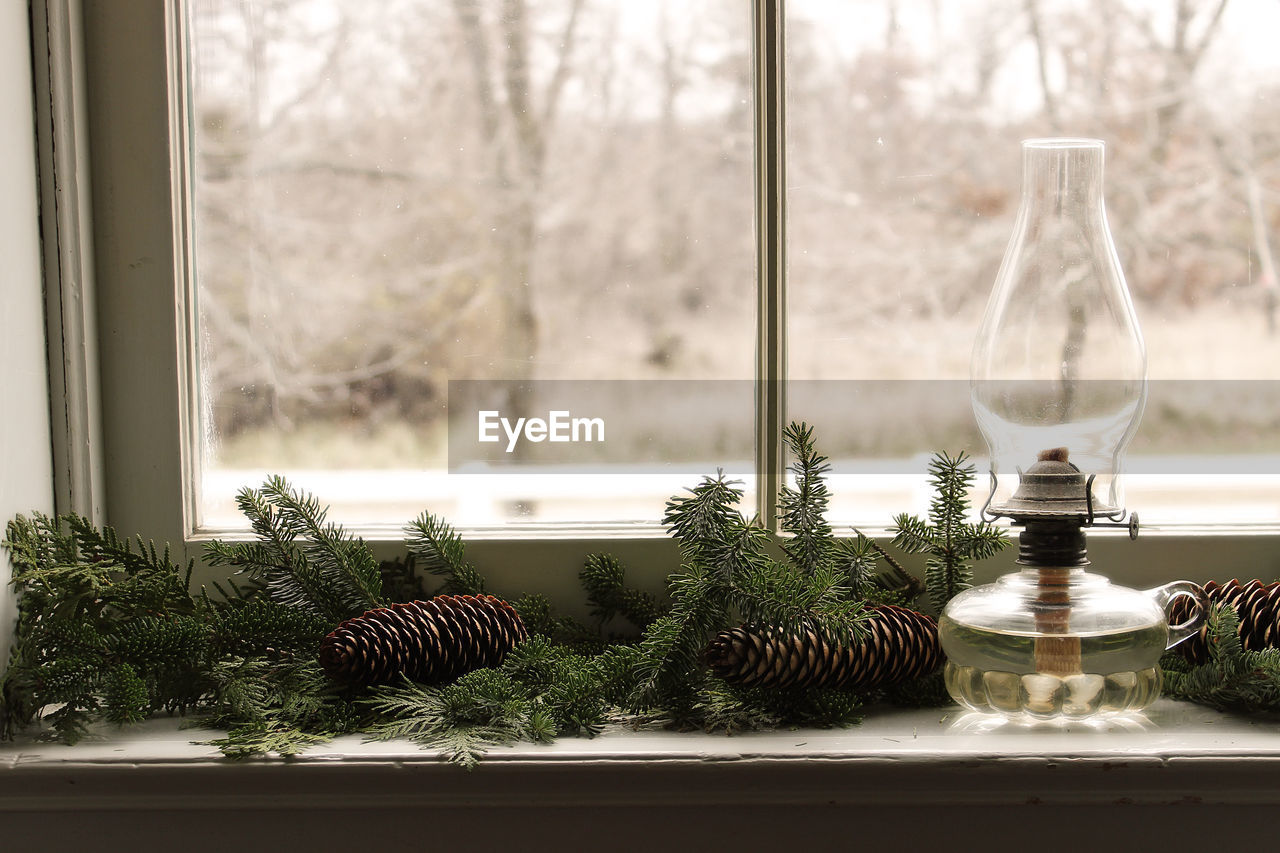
column 426, row 641
column 1257, row 604
column 901, row 644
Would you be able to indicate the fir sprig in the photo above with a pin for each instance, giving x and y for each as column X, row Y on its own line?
column 540, row 691
column 855, row 560
column 723, row 708
column 304, row 560
column 728, row 576
column 669, row 668
column 103, row 631
column 1234, row 678
column 439, row 549
column 603, row 579
column 266, row 738
column 949, row 539
column 803, row 507
column 463, row 720
column 704, row 521
column 791, row 602
column 275, row 706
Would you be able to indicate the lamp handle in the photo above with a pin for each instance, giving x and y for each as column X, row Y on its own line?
column 1164, row 596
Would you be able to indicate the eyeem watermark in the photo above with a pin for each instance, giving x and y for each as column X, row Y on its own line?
column 559, row 426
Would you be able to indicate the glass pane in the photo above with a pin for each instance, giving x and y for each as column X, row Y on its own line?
column 904, row 124
column 392, row 197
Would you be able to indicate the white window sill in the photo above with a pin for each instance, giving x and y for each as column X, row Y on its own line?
column 1174, row 743
column 899, row 774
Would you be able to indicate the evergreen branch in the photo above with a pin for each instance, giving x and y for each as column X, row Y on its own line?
column 856, row 559
column 947, row 537
column 272, row 561
column 980, row 541
column 602, row 577
column 276, row 538
column 907, row 582
column 49, row 569
column 151, row 580
column 241, row 690
column 279, row 705
column 912, row 534
column 1234, row 678
column 344, row 564
column 719, row 707
column 150, row 641
column 803, row 508
column 740, row 548
column 265, row 568
column 792, row 603
column 945, row 579
column 260, row 739
column 125, row 695
column 37, row 541
column 604, row 580
column 440, row 550
column 668, row 663
column 568, row 688
column 482, row 709
column 706, row 518
column 951, row 480
column 573, row 704
column 262, row 626
column 303, row 560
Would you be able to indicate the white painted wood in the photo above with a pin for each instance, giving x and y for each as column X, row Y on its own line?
column 1185, row 775
column 65, row 208
column 136, row 236
column 25, row 463
column 1169, row 731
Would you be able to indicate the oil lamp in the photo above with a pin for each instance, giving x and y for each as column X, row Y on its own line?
column 1058, row 383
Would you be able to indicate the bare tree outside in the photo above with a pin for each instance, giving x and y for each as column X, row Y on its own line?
column 394, row 195
column 904, row 181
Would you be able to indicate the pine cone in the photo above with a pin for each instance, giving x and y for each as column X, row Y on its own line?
column 426, row 641
column 901, row 644
column 1257, row 604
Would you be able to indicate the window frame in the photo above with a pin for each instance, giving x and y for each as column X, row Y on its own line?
column 132, row 53
column 139, row 221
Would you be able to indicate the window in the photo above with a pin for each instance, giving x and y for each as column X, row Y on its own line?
column 407, row 215
column 902, row 120
column 903, row 177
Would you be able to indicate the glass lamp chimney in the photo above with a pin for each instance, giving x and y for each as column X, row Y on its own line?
column 1058, row 374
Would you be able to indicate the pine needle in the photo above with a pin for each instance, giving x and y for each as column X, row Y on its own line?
column 949, row 539
column 1233, row 679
